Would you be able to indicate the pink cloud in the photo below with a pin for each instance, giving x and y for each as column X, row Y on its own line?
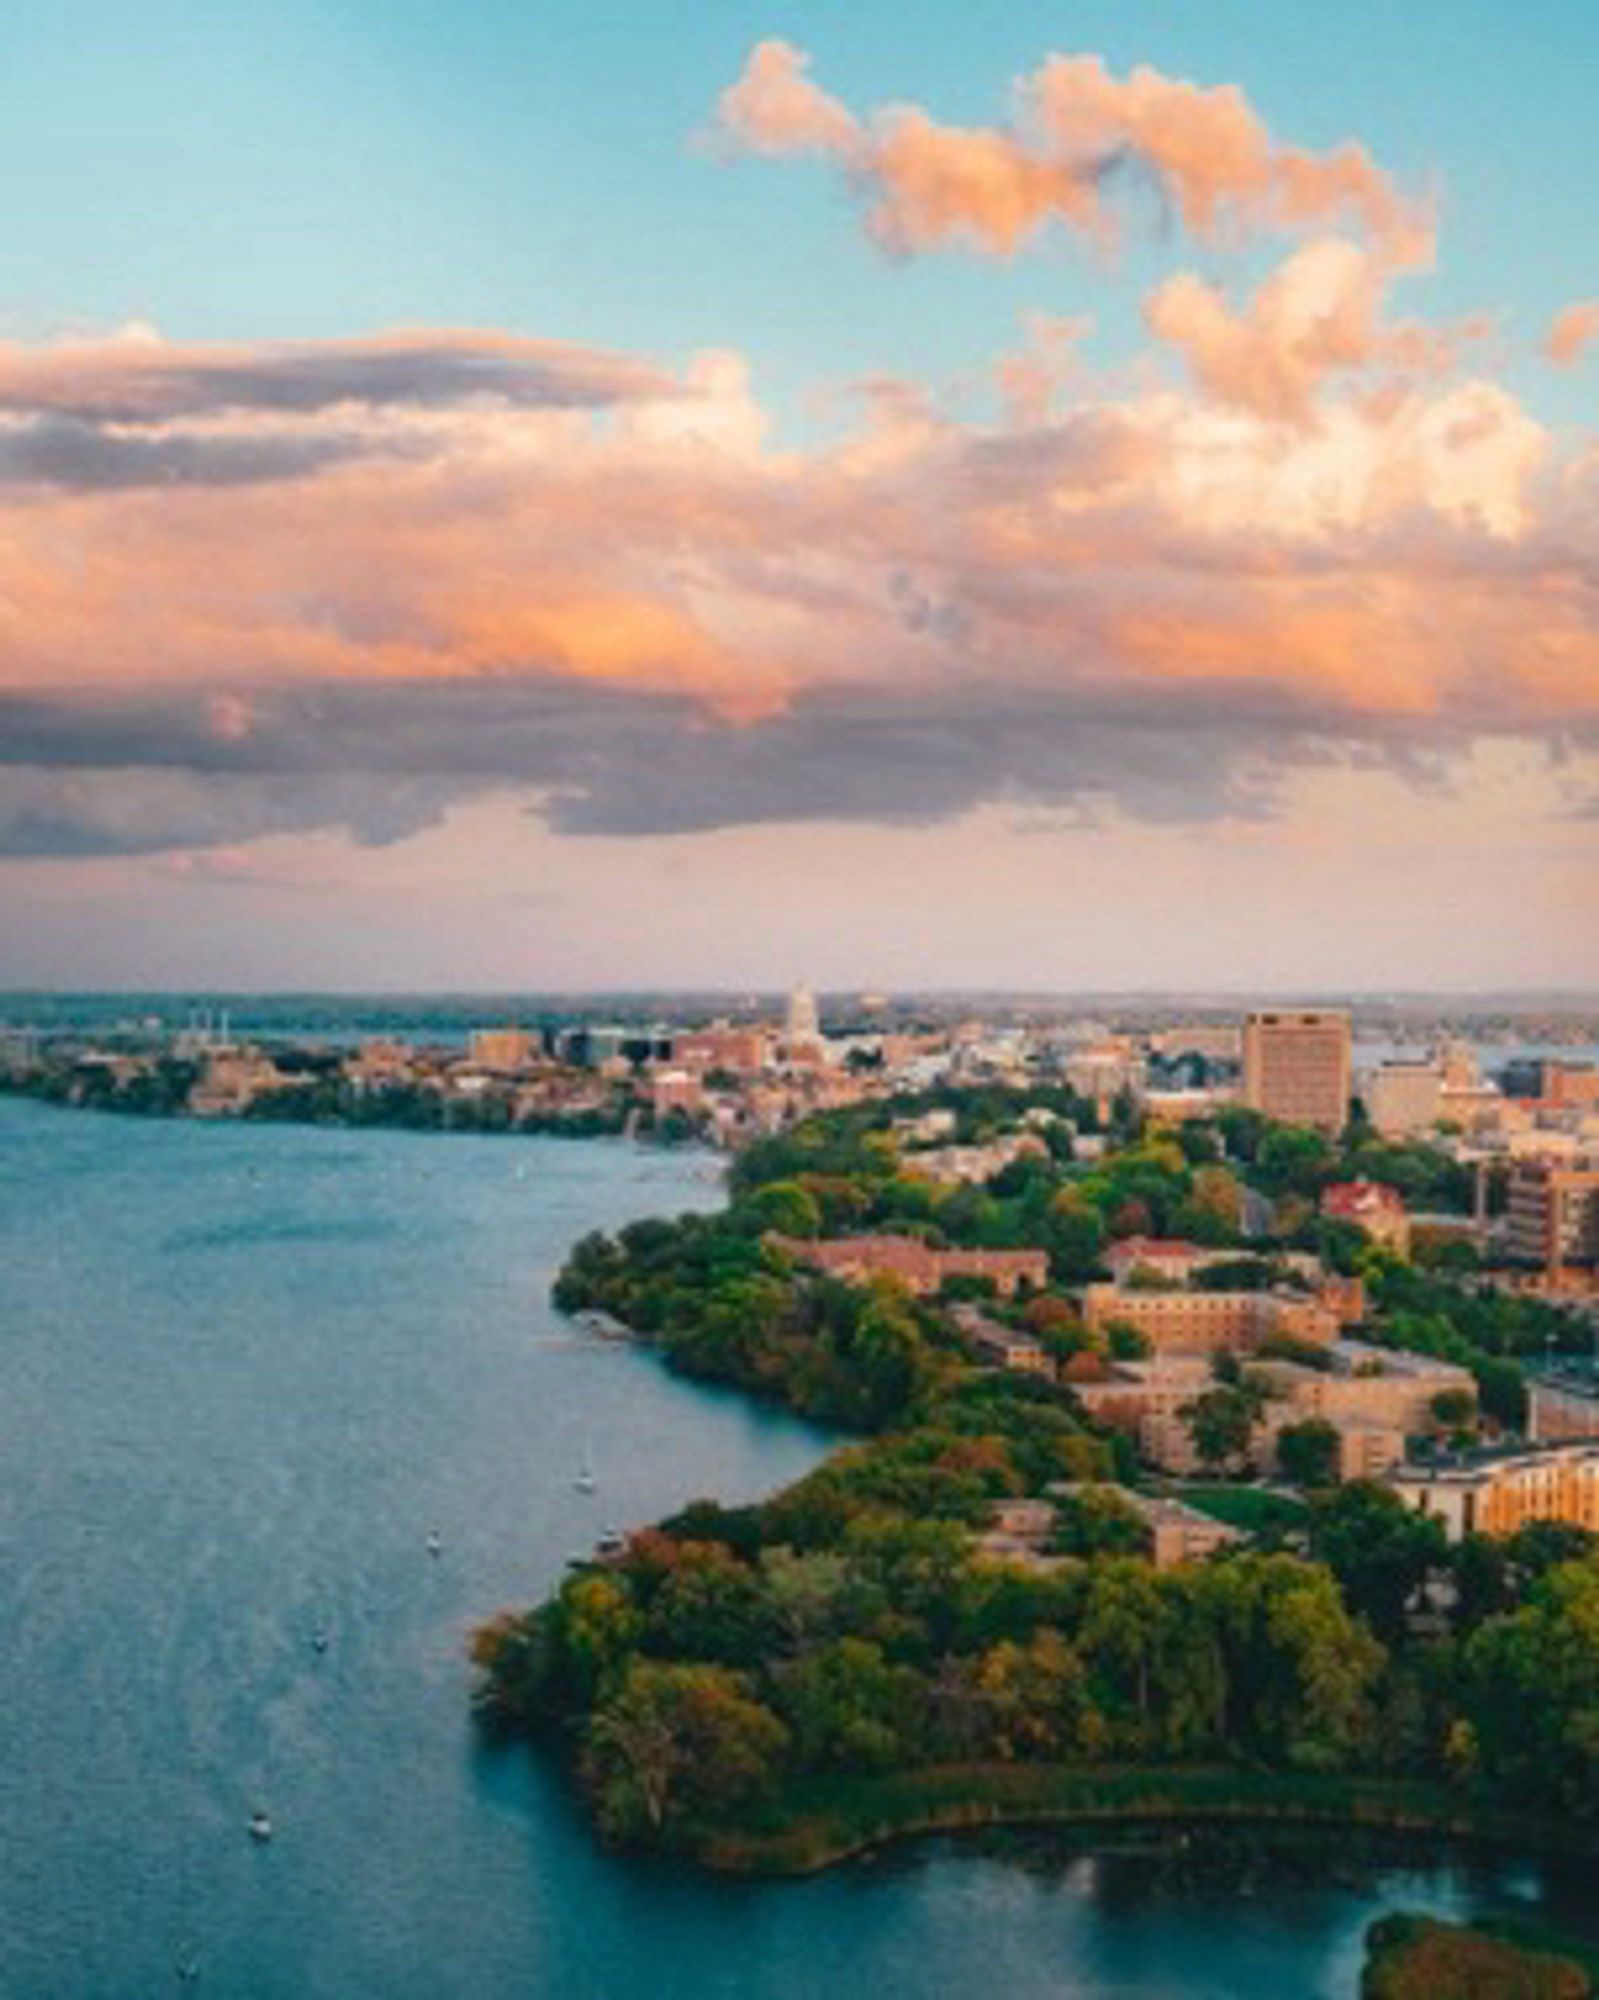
column 1076, row 132
column 774, row 107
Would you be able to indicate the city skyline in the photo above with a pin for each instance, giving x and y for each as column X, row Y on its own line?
column 492, row 499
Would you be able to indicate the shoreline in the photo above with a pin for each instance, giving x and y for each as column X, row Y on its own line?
column 567, row 1128
column 868, row 1815
column 812, row 1808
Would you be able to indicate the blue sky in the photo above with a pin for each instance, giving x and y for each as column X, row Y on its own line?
column 1266, row 643
column 310, row 167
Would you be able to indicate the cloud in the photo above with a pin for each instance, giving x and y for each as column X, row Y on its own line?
column 135, row 410
column 648, row 618
column 48, row 814
column 1571, row 331
column 774, row 107
column 147, row 772
column 136, row 377
column 1318, row 316
column 67, row 452
column 1031, row 379
column 1078, row 139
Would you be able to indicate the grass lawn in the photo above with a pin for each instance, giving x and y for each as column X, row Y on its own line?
column 1246, row 1507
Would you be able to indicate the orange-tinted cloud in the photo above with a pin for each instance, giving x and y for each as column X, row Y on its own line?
column 1317, row 317
column 1213, row 155
column 1571, row 331
column 1078, row 134
column 649, row 617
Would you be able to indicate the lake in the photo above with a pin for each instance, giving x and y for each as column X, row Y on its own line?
column 246, row 1373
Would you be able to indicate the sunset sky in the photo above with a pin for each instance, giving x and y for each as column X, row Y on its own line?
column 511, row 494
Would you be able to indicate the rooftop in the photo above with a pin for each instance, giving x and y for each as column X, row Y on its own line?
column 1466, row 1465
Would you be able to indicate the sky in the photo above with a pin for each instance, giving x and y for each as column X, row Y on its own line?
column 550, row 496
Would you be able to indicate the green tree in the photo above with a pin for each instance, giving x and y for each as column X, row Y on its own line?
column 1454, row 1409
column 850, row 1709
column 1380, row 1550
column 785, row 1206
column 1096, row 1520
column 1308, row 1453
column 596, row 1625
column 1533, row 1677
column 1125, row 1341
column 709, row 1606
column 1221, row 1423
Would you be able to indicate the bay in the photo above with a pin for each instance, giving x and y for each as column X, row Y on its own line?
column 246, row 1373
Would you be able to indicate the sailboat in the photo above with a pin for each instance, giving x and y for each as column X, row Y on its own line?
column 584, row 1480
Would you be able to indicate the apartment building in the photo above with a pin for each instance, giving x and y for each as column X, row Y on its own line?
column 1392, row 1389
column 1553, row 1213
column 1204, row 1322
column 1403, row 1098
column 1497, row 1492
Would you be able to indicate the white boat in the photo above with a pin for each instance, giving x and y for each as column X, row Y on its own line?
column 260, row 1826
column 435, row 1542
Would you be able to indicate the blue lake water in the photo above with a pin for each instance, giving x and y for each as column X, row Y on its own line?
column 245, row 1372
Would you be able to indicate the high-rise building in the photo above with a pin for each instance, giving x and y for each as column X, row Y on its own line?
column 1296, row 1066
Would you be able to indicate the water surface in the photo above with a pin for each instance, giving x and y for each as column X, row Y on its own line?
column 245, row 1373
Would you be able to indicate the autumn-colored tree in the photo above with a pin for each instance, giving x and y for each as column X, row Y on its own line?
column 675, row 1742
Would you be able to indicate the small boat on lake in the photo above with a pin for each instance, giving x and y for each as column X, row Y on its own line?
column 260, row 1826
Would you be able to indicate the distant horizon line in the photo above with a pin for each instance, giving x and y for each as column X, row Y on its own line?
column 1323, row 995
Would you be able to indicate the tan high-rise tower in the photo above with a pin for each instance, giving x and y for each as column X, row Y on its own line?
column 1296, row 1066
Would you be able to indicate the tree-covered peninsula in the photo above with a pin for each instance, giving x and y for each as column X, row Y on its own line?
column 770, row 1686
